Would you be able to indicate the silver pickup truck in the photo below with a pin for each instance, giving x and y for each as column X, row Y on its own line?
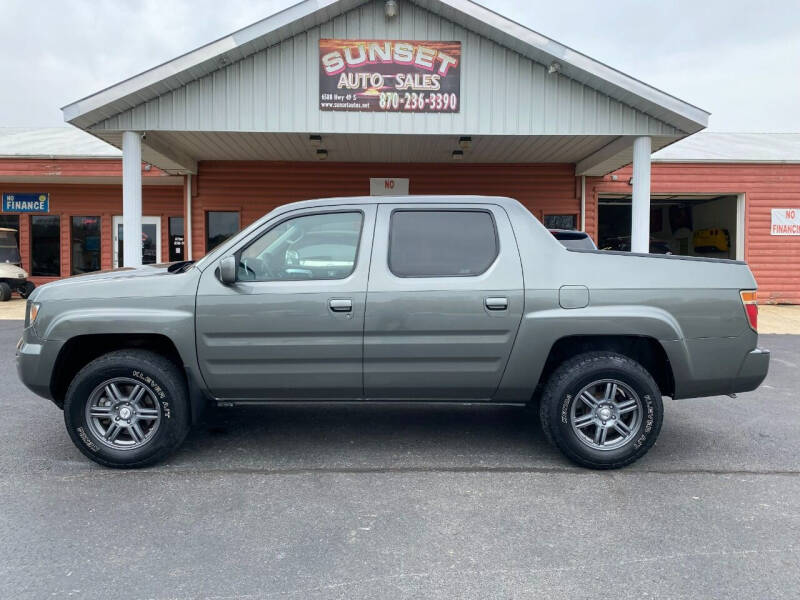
column 462, row 299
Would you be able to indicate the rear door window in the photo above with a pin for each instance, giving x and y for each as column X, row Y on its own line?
column 441, row 243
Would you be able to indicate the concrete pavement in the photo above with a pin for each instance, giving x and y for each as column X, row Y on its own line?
column 390, row 502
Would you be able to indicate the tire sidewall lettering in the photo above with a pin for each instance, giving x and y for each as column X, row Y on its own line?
column 647, row 425
column 160, row 393
column 86, row 439
column 565, row 409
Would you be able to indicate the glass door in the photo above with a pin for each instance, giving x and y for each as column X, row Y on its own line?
column 176, row 239
column 151, row 241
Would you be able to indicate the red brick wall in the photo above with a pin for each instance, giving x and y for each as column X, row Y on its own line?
column 775, row 260
column 254, row 188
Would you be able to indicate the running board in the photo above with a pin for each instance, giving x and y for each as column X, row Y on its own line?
column 387, row 402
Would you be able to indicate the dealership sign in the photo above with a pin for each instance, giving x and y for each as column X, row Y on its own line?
column 389, row 76
column 785, row 221
column 26, row 203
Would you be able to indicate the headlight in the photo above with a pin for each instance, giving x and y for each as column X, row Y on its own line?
column 33, row 312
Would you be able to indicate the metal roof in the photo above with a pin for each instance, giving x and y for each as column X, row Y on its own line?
column 53, row 142
column 716, row 147
column 311, row 13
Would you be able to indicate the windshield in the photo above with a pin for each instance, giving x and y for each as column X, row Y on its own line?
column 9, row 251
column 9, row 255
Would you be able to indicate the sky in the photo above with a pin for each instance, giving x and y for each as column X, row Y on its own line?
column 740, row 60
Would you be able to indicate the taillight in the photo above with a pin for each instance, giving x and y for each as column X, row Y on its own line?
column 750, row 307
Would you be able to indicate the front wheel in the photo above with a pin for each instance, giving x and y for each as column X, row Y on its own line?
column 603, row 410
column 127, row 409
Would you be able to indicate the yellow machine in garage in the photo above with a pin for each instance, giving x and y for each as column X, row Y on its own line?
column 711, row 240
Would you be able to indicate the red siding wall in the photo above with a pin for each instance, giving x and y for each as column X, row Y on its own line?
column 254, row 188
column 63, row 167
column 775, row 260
column 67, row 200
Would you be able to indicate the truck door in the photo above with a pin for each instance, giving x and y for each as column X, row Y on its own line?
column 444, row 302
column 291, row 327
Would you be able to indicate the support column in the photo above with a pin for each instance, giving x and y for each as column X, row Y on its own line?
column 187, row 220
column 640, row 206
column 132, row 198
column 583, row 202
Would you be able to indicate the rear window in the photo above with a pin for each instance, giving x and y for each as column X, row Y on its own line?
column 441, row 243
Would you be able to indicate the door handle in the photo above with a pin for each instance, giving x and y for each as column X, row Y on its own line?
column 340, row 304
column 496, row 303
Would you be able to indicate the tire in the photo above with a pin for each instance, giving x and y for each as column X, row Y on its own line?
column 5, row 291
column 161, row 411
column 622, row 425
column 26, row 289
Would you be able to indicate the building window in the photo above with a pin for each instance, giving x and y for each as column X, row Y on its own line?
column 45, row 246
column 431, row 243
column 9, row 239
column 85, row 248
column 176, row 239
column 220, row 225
column 561, row 221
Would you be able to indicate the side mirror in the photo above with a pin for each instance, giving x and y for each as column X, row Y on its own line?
column 227, row 270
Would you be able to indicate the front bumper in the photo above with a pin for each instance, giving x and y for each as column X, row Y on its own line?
column 35, row 362
column 753, row 371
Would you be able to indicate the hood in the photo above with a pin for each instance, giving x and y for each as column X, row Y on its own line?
column 120, row 273
column 12, row 271
column 147, row 280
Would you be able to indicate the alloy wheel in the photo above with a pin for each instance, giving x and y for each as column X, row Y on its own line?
column 123, row 413
column 606, row 414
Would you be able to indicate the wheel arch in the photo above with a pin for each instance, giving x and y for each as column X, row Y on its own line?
column 80, row 350
column 645, row 350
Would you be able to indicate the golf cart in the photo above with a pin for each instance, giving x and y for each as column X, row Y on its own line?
column 12, row 276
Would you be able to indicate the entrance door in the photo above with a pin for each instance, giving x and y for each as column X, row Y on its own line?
column 444, row 302
column 151, row 241
column 292, row 325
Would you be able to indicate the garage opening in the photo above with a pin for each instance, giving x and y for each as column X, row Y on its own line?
column 706, row 225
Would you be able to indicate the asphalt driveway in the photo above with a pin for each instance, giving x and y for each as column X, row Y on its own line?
column 390, row 502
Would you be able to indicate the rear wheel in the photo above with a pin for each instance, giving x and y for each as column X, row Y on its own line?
column 5, row 291
column 26, row 289
column 127, row 409
column 602, row 410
